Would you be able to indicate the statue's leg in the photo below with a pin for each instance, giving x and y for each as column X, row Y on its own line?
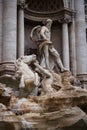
column 46, row 55
column 42, row 63
column 42, row 70
column 54, row 52
column 47, row 85
column 22, row 84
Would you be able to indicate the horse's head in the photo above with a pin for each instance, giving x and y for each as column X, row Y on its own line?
column 22, row 65
column 28, row 59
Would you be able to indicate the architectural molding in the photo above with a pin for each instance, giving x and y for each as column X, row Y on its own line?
column 7, row 69
column 56, row 15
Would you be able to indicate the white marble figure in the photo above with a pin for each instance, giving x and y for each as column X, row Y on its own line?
column 28, row 78
column 51, row 82
column 49, row 55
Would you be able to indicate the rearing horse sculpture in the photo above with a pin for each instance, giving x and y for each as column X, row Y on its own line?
column 28, row 78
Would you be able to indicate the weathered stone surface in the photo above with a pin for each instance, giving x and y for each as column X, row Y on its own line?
column 57, row 119
column 55, row 110
column 2, row 107
column 5, row 94
column 2, row 87
column 50, row 110
column 26, row 106
column 8, row 120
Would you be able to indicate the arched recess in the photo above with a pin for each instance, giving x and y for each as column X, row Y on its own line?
column 39, row 9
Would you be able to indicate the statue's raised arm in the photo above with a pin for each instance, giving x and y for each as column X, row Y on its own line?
column 34, row 35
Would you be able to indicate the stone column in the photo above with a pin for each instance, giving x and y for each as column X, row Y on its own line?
column 65, row 44
column 81, row 48
column 21, row 28
column 65, row 3
column 72, row 48
column 73, row 4
column 1, row 30
column 9, row 30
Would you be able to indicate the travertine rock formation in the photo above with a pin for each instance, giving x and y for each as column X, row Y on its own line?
column 53, row 106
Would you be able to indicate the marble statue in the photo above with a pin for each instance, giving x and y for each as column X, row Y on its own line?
column 28, row 78
column 52, row 102
column 51, row 81
column 58, row 101
column 41, row 35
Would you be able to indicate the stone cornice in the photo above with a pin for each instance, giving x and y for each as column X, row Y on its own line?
column 7, row 68
column 82, row 77
column 64, row 13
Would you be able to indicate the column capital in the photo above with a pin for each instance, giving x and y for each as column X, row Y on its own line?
column 64, row 20
column 21, row 4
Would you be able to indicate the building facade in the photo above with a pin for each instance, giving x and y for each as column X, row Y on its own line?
column 69, row 32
